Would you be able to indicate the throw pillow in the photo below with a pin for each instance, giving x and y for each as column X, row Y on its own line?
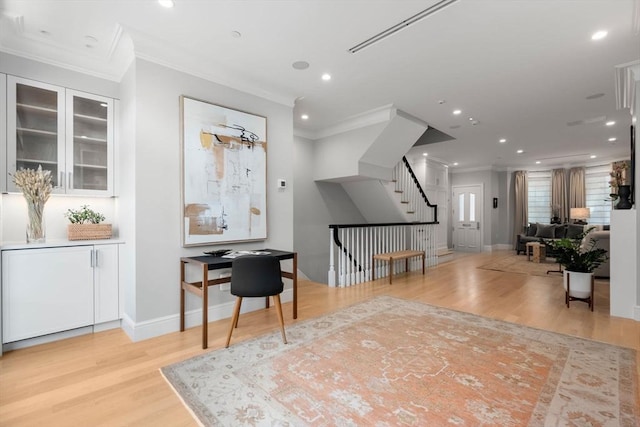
column 546, row 231
column 574, row 230
column 531, row 231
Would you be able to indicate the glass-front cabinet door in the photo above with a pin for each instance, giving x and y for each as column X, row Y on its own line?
column 68, row 132
column 35, row 129
column 89, row 155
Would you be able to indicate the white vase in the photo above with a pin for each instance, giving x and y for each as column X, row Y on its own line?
column 580, row 284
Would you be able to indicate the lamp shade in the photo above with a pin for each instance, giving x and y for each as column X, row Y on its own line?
column 580, row 213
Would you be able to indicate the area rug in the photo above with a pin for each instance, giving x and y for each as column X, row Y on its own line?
column 389, row 362
column 519, row 264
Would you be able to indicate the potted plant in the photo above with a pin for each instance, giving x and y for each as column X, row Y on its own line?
column 580, row 258
column 86, row 224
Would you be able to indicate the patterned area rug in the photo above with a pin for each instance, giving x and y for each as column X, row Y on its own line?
column 519, row 264
column 388, row 362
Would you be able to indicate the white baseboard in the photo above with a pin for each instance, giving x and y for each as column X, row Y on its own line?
column 497, row 247
column 138, row 331
column 636, row 313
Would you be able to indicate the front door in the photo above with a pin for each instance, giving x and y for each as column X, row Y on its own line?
column 466, row 211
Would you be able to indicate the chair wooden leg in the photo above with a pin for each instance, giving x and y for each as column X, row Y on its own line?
column 276, row 298
column 234, row 319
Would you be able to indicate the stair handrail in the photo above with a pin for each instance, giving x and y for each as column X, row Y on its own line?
column 422, row 193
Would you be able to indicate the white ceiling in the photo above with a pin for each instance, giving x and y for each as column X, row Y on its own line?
column 521, row 68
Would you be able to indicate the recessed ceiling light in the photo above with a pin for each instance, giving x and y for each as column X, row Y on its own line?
column 613, row 139
column 538, row 162
column 502, row 141
column 593, row 156
column 304, row 117
column 520, row 151
column 425, row 154
column 166, row 3
column 455, row 164
column 471, row 119
column 300, row 65
column 104, row 104
column 456, row 112
column 599, row 35
column 611, row 123
column 236, row 34
column 441, row 101
column 45, row 33
column 326, row 77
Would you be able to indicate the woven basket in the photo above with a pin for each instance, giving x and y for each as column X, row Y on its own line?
column 89, row 231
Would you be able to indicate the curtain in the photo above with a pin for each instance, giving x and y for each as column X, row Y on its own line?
column 559, row 203
column 577, row 192
column 522, row 201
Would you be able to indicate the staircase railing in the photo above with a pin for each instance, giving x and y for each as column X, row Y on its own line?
column 412, row 194
column 352, row 247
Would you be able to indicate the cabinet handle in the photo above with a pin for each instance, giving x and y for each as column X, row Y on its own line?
column 70, row 186
column 97, row 263
column 91, row 258
column 60, row 180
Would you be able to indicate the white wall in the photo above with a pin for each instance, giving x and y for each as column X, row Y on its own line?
column 156, row 175
column 351, row 145
column 316, row 206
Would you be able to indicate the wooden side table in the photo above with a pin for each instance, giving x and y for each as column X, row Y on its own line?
column 538, row 250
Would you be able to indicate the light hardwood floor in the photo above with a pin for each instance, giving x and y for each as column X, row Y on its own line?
column 106, row 380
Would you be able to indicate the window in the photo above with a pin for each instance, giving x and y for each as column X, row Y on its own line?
column 597, row 191
column 539, row 206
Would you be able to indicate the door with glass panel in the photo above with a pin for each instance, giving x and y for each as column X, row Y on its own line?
column 35, row 129
column 89, row 157
column 466, row 211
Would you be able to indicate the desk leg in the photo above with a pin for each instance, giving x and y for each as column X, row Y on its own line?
column 390, row 270
column 295, row 285
column 181, row 296
column 406, row 265
column 423, row 263
column 205, row 306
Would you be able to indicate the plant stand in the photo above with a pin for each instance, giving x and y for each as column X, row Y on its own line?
column 568, row 298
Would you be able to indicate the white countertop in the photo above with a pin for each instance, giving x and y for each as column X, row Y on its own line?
column 55, row 243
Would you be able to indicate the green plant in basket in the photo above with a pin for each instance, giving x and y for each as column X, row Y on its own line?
column 84, row 215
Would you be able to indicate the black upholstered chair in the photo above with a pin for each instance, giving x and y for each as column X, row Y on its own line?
column 256, row 276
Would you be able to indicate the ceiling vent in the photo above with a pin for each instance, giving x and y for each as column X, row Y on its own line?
column 402, row 25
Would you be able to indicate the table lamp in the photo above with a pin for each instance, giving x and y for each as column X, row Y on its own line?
column 580, row 215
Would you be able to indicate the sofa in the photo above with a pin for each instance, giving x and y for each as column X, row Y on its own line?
column 537, row 232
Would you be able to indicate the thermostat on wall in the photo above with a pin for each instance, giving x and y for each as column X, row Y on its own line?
column 282, row 183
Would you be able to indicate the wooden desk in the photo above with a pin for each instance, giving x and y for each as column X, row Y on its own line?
column 206, row 263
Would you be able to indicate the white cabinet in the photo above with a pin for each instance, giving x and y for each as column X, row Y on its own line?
column 106, row 292
column 49, row 290
column 68, row 132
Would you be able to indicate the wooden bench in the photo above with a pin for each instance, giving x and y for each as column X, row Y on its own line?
column 390, row 257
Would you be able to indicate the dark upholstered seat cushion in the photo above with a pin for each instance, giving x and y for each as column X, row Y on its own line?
column 560, row 231
column 574, row 230
column 546, row 231
column 256, row 276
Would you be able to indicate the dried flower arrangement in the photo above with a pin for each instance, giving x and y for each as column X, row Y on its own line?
column 36, row 187
column 618, row 177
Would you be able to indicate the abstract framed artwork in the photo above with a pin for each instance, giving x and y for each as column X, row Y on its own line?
column 224, row 174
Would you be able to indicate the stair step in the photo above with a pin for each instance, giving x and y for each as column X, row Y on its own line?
column 399, row 191
column 402, row 201
column 411, row 212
